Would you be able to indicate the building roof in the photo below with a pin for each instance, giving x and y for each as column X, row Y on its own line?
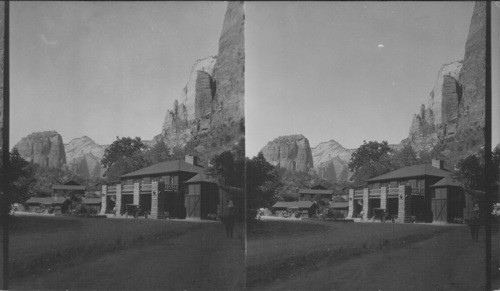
column 338, row 199
column 68, row 187
column 165, row 168
column 316, row 191
column 46, row 200
column 340, row 205
column 412, row 171
column 200, row 178
column 293, row 204
column 446, row 182
column 91, row 201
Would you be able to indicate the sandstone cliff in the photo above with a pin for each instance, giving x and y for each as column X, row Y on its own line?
column 473, row 74
column 230, row 65
column 43, row 148
column 330, row 161
column 455, row 110
column 213, row 98
column 440, row 117
column 83, row 157
column 292, row 153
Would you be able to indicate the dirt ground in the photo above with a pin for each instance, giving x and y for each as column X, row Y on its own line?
column 437, row 258
column 200, row 258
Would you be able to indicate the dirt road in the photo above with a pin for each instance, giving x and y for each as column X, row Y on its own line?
column 450, row 261
column 202, row 259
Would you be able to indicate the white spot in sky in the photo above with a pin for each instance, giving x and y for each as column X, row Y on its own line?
column 46, row 41
column 380, row 45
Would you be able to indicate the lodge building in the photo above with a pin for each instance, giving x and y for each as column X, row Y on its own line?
column 425, row 193
column 176, row 189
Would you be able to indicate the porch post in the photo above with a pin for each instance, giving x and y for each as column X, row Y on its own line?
column 104, row 199
column 118, row 199
column 351, row 203
column 154, row 200
column 383, row 198
column 404, row 198
column 365, row 203
column 136, row 193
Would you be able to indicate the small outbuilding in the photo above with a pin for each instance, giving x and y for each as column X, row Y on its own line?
column 48, row 204
column 283, row 207
column 92, row 204
column 202, row 197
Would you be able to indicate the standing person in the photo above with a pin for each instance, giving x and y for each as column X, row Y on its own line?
column 362, row 214
column 114, row 211
column 228, row 221
column 474, row 225
column 230, row 206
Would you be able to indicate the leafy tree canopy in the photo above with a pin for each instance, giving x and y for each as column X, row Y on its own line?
column 159, row 152
column 121, row 148
column 123, row 156
column 368, row 152
column 21, row 177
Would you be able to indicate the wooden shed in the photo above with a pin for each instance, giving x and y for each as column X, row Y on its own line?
column 48, row 204
column 447, row 201
column 92, row 204
column 201, row 199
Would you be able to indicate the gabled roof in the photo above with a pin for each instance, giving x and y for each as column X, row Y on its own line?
column 165, row 168
column 293, row 204
column 200, row 178
column 412, row 171
column 46, row 200
column 446, row 182
column 91, row 201
column 68, row 187
column 314, row 191
column 338, row 199
column 340, row 205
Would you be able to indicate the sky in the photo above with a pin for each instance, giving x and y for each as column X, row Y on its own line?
column 104, row 69
column 348, row 71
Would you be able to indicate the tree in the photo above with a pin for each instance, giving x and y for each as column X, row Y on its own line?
column 261, row 182
column 369, row 160
column 121, row 148
column 470, row 171
column 368, row 152
column 21, row 178
column 158, row 153
column 123, row 156
column 229, row 169
column 405, row 157
column 178, row 153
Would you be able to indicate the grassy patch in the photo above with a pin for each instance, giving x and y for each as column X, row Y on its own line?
column 272, row 229
column 280, row 256
column 43, row 244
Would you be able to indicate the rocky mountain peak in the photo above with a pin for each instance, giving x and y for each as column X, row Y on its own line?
column 291, row 152
column 330, row 161
column 455, row 106
column 84, row 157
column 43, row 148
column 214, row 94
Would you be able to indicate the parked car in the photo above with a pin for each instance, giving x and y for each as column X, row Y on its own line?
column 135, row 210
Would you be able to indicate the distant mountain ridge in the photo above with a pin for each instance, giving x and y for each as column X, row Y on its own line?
column 83, row 157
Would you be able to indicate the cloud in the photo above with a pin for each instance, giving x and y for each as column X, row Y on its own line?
column 46, row 41
column 380, row 45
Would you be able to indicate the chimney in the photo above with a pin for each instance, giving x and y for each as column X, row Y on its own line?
column 436, row 163
column 191, row 160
